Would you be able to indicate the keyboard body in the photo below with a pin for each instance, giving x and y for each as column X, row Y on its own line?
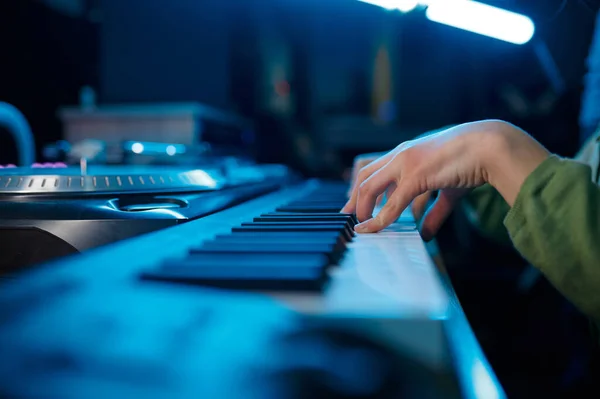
column 92, row 326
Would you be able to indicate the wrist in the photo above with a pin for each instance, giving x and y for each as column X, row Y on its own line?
column 512, row 156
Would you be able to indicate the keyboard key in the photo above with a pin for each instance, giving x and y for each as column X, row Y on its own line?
column 342, row 225
column 281, row 239
column 294, row 229
column 301, row 218
column 304, row 272
column 353, row 217
column 213, row 247
column 259, row 235
column 290, row 248
column 310, row 209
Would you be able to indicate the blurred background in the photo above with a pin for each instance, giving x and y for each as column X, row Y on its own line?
column 321, row 80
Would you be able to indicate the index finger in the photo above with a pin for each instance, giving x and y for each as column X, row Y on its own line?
column 358, row 165
column 372, row 188
column 363, row 175
column 397, row 203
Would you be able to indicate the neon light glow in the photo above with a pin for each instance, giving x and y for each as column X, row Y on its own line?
column 482, row 19
column 401, row 5
column 469, row 15
column 171, row 150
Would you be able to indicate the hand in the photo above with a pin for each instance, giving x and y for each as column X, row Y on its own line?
column 362, row 161
column 453, row 161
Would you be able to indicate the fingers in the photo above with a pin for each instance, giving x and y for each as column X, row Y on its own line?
column 419, row 205
column 359, row 164
column 439, row 212
column 372, row 188
column 388, row 193
column 363, row 175
column 392, row 210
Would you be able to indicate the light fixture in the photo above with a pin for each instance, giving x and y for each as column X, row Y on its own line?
column 469, row 15
column 481, row 18
column 400, row 5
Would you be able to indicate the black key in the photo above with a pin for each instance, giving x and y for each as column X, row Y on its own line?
column 292, row 229
column 328, row 250
column 309, row 209
column 300, row 218
column 342, row 225
column 299, row 222
column 306, row 272
column 284, row 238
column 312, row 202
column 352, row 216
column 280, row 239
column 264, row 247
column 311, row 235
column 197, row 260
column 327, row 203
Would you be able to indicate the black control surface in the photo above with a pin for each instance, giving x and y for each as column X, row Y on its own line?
column 53, row 213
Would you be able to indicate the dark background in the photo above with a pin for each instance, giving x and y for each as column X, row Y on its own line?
column 219, row 53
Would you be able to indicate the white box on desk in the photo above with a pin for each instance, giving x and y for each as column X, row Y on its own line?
column 180, row 123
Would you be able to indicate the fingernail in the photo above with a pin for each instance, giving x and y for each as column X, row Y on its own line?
column 361, row 227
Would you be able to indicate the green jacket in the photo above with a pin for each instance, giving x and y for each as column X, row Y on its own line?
column 554, row 224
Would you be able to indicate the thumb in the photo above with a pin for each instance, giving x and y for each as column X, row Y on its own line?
column 439, row 212
column 419, row 205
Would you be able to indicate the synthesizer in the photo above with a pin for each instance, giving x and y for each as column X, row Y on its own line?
column 51, row 212
column 273, row 297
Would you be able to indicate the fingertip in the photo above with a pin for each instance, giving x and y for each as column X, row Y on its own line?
column 426, row 236
column 425, row 231
column 372, row 225
column 364, row 227
column 347, row 208
column 430, row 224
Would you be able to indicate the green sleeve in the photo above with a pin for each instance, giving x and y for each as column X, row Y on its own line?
column 555, row 224
column 486, row 210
